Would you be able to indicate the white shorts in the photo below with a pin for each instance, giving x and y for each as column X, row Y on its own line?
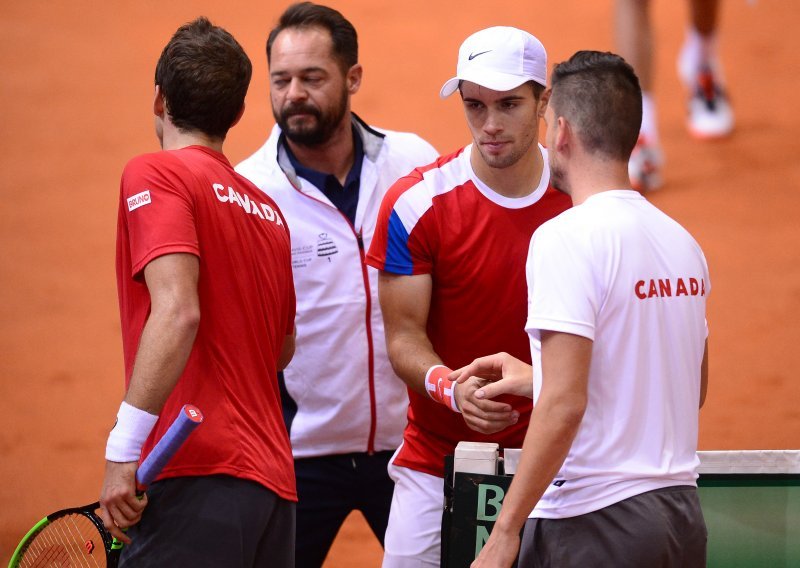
column 414, row 534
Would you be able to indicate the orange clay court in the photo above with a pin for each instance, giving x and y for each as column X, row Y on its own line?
column 76, row 101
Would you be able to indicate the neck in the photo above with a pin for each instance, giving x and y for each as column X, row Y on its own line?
column 334, row 156
column 517, row 180
column 175, row 139
column 596, row 176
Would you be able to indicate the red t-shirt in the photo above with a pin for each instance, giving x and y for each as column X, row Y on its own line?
column 443, row 221
column 191, row 201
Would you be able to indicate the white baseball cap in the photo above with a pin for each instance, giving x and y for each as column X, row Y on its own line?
column 499, row 58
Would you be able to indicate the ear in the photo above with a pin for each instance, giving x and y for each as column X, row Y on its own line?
column 544, row 100
column 564, row 134
column 158, row 103
column 353, row 78
column 238, row 116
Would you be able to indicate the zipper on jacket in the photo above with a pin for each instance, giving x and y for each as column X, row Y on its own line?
column 373, row 419
column 372, row 403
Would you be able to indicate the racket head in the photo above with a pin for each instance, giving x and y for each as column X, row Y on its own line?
column 77, row 537
column 70, row 537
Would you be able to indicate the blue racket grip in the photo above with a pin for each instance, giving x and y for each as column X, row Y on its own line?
column 184, row 424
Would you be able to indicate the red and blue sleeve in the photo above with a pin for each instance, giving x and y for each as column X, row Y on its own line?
column 399, row 245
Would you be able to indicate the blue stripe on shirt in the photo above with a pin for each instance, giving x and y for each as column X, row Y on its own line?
column 398, row 256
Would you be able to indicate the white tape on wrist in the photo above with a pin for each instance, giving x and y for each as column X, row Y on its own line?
column 129, row 434
column 453, row 404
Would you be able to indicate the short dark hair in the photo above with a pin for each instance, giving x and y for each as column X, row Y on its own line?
column 537, row 89
column 204, row 74
column 309, row 15
column 599, row 93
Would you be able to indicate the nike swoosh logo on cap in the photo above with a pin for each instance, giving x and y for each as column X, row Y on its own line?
column 474, row 55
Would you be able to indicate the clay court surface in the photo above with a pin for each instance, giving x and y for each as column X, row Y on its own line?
column 76, row 100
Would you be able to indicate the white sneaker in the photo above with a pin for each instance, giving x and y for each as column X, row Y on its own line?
column 644, row 167
column 710, row 113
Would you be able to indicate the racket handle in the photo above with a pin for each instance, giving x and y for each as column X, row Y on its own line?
column 187, row 420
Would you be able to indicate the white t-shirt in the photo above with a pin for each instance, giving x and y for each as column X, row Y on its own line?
column 620, row 272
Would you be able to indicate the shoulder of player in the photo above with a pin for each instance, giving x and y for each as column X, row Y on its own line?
column 175, row 171
column 432, row 178
column 592, row 225
column 150, row 161
column 557, row 239
column 162, row 168
column 417, row 188
column 569, row 223
column 414, row 193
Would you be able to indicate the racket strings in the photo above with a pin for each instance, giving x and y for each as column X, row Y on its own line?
column 71, row 540
column 43, row 551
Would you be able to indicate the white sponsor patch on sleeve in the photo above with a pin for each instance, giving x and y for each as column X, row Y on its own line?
column 138, row 200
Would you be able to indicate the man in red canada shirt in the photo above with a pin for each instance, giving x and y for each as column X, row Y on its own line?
column 207, row 308
column 451, row 243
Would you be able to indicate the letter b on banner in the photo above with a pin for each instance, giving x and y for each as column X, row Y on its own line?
column 489, row 496
column 490, row 499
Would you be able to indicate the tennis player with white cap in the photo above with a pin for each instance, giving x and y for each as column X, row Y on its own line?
column 451, row 243
column 508, row 58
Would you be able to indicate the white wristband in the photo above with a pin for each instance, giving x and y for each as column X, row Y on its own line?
column 453, row 404
column 129, row 434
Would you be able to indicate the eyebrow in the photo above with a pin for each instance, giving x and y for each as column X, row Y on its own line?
column 303, row 70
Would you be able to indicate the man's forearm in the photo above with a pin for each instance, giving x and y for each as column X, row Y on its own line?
column 405, row 301
column 411, row 356
column 164, row 348
column 546, row 445
column 555, row 421
column 550, row 434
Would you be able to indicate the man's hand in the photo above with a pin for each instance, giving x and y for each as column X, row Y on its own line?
column 502, row 374
column 481, row 414
column 500, row 550
column 120, row 508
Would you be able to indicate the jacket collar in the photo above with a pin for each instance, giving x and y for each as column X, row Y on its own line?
column 371, row 139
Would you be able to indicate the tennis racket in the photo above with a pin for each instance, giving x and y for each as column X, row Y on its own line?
column 77, row 537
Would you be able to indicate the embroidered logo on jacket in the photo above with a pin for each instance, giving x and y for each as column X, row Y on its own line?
column 326, row 247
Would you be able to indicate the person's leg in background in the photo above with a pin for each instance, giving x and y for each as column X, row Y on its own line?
column 376, row 491
column 324, row 501
column 710, row 115
column 709, row 111
column 634, row 41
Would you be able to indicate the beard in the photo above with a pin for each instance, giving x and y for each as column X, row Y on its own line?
column 315, row 131
column 500, row 162
column 519, row 149
column 558, row 177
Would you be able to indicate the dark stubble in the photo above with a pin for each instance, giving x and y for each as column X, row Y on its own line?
column 320, row 130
